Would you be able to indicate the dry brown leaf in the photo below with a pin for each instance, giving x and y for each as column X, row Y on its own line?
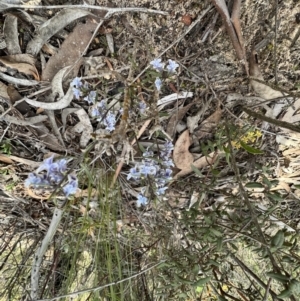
column 262, row 90
column 60, row 104
column 24, row 63
column 181, row 154
column 3, row 90
column 11, row 35
column 200, row 163
column 52, row 26
column 71, row 50
column 176, row 117
column 209, row 124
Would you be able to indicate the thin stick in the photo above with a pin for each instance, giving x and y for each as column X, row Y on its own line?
column 110, row 10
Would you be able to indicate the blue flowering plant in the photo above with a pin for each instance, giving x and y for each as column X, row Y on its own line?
column 98, row 110
column 158, row 171
column 162, row 68
column 50, row 174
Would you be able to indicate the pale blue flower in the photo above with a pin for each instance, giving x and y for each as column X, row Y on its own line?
column 76, row 82
column 148, row 154
column 158, row 83
column 148, row 169
column 91, row 98
column 31, row 180
column 168, row 163
column 46, row 165
column 77, row 93
column 110, row 121
column 94, row 112
column 72, row 186
column 157, row 65
column 134, row 173
column 171, row 67
column 161, row 190
column 142, row 107
column 102, row 105
column 141, row 200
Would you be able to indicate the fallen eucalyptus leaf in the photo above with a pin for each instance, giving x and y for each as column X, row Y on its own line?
column 52, row 26
column 84, row 126
column 209, row 124
column 161, row 103
column 18, row 81
column 181, row 154
column 11, row 35
column 262, row 90
column 24, row 63
column 176, row 117
column 61, row 104
column 25, row 122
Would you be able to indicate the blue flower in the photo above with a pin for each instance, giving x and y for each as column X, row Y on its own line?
column 157, row 65
column 148, row 168
column 148, row 154
column 46, row 165
column 61, row 165
column 142, row 107
column 168, row 163
column 32, row 179
column 158, row 83
column 72, row 186
column 91, row 98
column 110, row 121
column 94, row 112
column 76, row 82
column 102, row 105
column 141, row 200
column 77, row 93
column 171, row 67
column 134, row 173
column 161, row 190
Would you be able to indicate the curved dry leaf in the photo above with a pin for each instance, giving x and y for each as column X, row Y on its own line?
column 209, row 124
column 181, row 154
column 176, row 117
column 84, row 126
column 68, row 54
column 15, row 62
column 61, row 104
column 161, row 103
column 56, row 83
column 262, row 90
column 27, row 121
column 11, row 35
column 18, row 81
column 3, row 90
column 52, row 26
column 200, row 163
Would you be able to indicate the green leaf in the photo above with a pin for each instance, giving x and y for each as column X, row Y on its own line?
column 278, row 276
column 275, row 196
column 196, row 171
column 254, row 185
column 251, row 149
column 201, row 282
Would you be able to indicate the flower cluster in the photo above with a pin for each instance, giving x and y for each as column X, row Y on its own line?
column 55, row 172
column 159, row 171
column 98, row 110
column 159, row 66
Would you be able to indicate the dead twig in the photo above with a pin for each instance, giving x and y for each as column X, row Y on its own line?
column 110, row 10
column 233, row 27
